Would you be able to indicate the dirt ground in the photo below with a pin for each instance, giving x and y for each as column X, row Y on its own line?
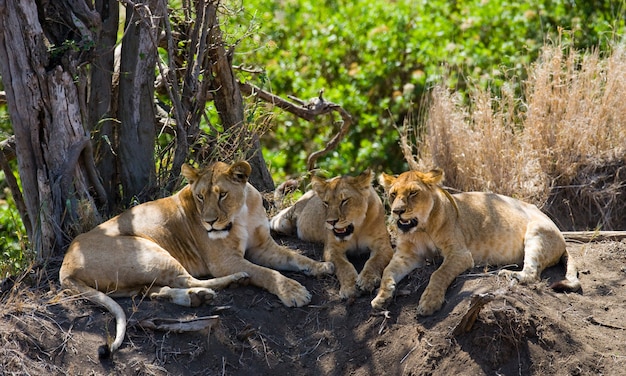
column 524, row 330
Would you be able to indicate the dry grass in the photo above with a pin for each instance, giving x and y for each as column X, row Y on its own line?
column 549, row 147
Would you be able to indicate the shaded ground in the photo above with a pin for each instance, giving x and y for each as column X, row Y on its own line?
column 525, row 330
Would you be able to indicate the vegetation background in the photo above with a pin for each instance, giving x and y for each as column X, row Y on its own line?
column 471, row 78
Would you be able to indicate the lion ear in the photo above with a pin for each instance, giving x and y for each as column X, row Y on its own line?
column 364, row 179
column 190, row 173
column 434, row 176
column 318, row 185
column 240, row 171
column 386, row 180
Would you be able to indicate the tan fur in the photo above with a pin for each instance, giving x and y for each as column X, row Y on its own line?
column 467, row 229
column 345, row 214
column 160, row 248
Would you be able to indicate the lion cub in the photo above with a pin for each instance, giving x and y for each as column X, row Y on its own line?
column 466, row 228
column 161, row 248
column 345, row 214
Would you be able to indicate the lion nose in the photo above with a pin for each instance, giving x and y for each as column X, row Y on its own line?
column 398, row 211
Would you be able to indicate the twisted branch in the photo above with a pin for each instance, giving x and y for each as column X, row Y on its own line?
column 308, row 111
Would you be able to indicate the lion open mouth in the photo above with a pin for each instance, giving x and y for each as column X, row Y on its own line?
column 405, row 225
column 215, row 233
column 343, row 232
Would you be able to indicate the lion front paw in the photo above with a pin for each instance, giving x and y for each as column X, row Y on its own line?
column 384, row 295
column 367, row 281
column 347, row 292
column 429, row 303
column 321, row 268
column 293, row 294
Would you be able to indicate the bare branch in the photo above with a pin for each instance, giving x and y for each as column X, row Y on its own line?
column 307, row 111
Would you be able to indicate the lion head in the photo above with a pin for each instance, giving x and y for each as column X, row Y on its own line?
column 411, row 197
column 345, row 201
column 219, row 193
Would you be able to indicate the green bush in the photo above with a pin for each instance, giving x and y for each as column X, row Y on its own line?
column 377, row 59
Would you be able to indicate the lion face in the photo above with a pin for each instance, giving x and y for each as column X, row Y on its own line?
column 219, row 192
column 411, row 197
column 345, row 202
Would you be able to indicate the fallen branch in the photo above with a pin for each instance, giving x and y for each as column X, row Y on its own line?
column 179, row 326
column 593, row 321
column 593, row 236
column 477, row 302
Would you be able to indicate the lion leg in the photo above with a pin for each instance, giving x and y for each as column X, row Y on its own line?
column 454, row 264
column 344, row 270
column 274, row 256
column 188, row 291
column 381, row 254
column 543, row 247
column 283, row 222
column 402, row 263
column 290, row 292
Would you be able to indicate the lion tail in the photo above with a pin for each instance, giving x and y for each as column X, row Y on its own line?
column 571, row 282
column 107, row 302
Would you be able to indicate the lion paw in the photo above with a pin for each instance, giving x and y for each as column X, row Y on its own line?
column 379, row 302
column 240, row 279
column 321, row 268
column 367, row 281
column 521, row 277
column 293, row 294
column 347, row 292
column 383, row 297
column 429, row 304
column 199, row 296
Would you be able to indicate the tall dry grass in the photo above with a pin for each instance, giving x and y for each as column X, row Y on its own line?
column 570, row 120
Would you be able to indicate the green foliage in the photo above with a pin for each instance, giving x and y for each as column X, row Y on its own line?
column 377, row 59
column 12, row 239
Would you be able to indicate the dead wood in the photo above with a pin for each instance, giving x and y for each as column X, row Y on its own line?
column 179, row 325
column 477, row 302
column 593, row 236
column 307, row 110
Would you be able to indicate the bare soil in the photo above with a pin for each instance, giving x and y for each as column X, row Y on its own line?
column 524, row 330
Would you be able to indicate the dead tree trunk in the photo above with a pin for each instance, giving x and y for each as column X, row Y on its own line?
column 52, row 148
column 69, row 101
column 102, row 101
column 136, row 100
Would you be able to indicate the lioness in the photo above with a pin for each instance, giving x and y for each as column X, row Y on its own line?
column 159, row 248
column 345, row 214
column 467, row 228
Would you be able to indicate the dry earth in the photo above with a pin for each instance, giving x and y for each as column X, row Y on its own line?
column 524, row 330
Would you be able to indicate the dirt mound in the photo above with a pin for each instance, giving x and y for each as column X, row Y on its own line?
column 521, row 330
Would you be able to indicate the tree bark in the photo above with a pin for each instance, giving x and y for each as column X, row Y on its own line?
column 102, row 101
column 45, row 111
column 136, row 101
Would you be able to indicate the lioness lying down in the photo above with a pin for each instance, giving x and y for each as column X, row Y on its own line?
column 467, row 228
column 346, row 215
column 160, row 248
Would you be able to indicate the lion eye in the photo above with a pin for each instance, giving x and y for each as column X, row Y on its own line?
column 413, row 193
column 325, row 203
column 392, row 196
column 223, row 195
column 200, row 197
column 344, row 201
